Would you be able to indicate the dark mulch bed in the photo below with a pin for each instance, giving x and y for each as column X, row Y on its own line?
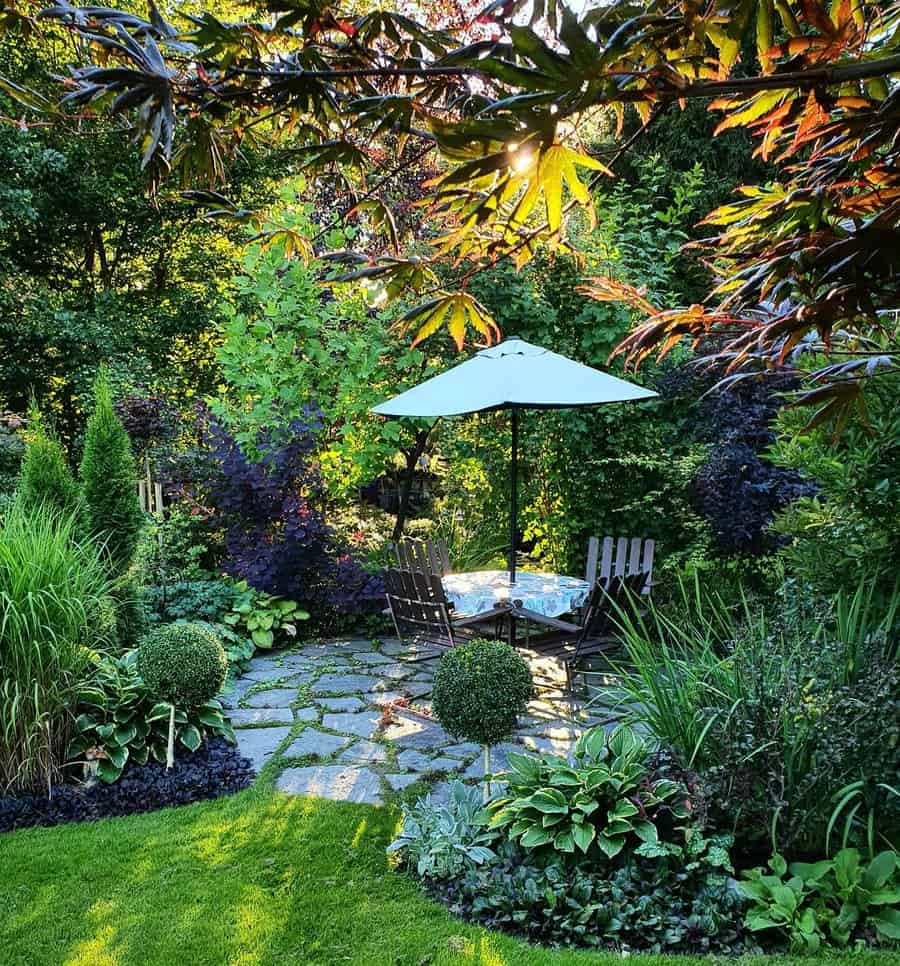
column 214, row 770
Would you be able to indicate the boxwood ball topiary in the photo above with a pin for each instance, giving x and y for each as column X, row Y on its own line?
column 480, row 689
column 183, row 664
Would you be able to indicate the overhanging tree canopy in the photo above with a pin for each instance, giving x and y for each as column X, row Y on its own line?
column 809, row 264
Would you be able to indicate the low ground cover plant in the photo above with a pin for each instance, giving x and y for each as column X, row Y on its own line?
column 839, row 901
column 594, row 852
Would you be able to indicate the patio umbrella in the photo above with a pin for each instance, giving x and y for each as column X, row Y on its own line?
column 512, row 375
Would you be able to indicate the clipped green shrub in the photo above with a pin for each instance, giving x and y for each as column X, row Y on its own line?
column 54, row 610
column 182, row 664
column 110, row 483
column 46, row 479
column 480, row 689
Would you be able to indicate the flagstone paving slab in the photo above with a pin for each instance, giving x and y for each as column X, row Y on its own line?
column 342, row 783
column 275, row 698
column 341, row 704
column 365, row 751
column 373, row 657
column 399, row 782
column 307, row 714
column 313, row 742
column 243, row 717
column 337, row 683
column 364, row 724
column 413, row 732
column 258, row 744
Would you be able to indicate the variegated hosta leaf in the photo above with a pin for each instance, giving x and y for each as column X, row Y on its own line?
column 457, row 312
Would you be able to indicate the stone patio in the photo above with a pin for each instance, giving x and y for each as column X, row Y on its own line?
column 350, row 720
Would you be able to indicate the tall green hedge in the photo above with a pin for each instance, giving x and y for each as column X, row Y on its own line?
column 109, row 479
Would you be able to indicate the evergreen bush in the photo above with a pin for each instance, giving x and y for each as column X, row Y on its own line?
column 182, row 664
column 46, row 479
column 480, row 689
column 110, row 483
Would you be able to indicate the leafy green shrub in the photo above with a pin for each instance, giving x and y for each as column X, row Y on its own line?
column 480, row 689
column 684, row 903
column 119, row 720
column 441, row 840
column 774, row 718
column 12, row 451
column 851, row 525
column 46, row 479
column 266, row 619
column 205, row 600
column 110, row 482
column 182, row 664
column 603, row 802
column 833, row 901
column 54, row 607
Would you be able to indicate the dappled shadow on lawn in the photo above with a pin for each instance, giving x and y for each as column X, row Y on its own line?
column 256, row 879
column 260, row 878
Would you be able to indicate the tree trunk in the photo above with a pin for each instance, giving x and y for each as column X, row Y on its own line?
column 412, row 457
column 170, row 749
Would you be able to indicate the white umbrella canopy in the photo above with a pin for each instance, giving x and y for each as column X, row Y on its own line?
column 513, row 375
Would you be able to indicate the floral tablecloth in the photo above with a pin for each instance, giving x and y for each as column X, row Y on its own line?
column 548, row 594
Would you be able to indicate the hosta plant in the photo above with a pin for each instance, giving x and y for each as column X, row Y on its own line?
column 603, row 801
column 265, row 619
column 811, row 904
column 120, row 721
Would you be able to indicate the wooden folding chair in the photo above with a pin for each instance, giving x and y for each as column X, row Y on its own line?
column 594, row 634
column 620, row 557
column 421, row 612
column 424, row 556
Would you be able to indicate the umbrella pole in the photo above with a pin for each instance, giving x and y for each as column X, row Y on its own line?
column 513, row 513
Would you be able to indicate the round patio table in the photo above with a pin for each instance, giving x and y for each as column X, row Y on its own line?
column 547, row 595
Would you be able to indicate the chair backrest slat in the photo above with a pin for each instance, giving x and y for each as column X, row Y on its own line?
column 634, row 556
column 647, row 565
column 593, row 560
column 443, row 555
column 621, row 555
column 434, row 562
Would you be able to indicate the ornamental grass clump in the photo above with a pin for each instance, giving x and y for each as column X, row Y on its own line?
column 55, row 609
column 480, row 689
column 183, row 665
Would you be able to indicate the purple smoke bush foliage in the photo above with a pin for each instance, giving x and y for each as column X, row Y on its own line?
column 737, row 490
column 356, row 590
column 272, row 511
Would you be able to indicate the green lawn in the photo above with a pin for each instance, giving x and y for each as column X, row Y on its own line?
column 254, row 879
